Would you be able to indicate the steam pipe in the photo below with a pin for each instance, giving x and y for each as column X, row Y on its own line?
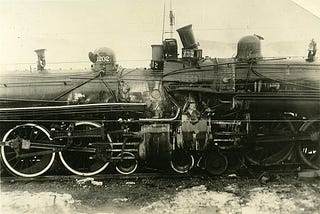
column 162, row 120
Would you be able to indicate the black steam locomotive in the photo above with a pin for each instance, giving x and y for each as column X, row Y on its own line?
column 183, row 112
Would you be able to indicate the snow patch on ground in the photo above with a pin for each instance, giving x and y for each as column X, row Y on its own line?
column 196, row 200
column 259, row 200
column 17, row 202
column 262, row 200
column 199, row 199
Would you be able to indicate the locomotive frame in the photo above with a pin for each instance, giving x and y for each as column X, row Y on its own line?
column 195, row 111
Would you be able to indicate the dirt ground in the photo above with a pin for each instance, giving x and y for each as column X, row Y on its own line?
column 228, row 194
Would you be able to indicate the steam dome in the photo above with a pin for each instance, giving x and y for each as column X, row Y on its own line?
column 103, row 59
column 249, row 47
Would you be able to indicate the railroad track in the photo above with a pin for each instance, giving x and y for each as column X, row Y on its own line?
column 97, row 177
column 251, row 173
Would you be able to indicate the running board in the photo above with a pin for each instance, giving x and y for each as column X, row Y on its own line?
column 9, row 113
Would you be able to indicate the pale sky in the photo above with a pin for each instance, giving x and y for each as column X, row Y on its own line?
column 311, row 5
column 70, row 29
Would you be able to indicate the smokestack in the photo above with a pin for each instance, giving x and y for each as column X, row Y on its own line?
column 187, row 37
column 41, row 59
column 157, row 57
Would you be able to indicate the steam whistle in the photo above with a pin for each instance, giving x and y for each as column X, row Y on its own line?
column 312, row 51
column 41, row 59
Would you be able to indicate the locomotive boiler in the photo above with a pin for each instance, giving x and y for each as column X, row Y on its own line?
column 182, row 112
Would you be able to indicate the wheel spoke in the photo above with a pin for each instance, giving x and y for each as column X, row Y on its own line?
column 9, row 153
column 17, row 161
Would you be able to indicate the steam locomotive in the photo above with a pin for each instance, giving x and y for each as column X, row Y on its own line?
column 182, row 112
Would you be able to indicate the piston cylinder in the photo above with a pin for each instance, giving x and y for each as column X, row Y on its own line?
column 156, row 147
